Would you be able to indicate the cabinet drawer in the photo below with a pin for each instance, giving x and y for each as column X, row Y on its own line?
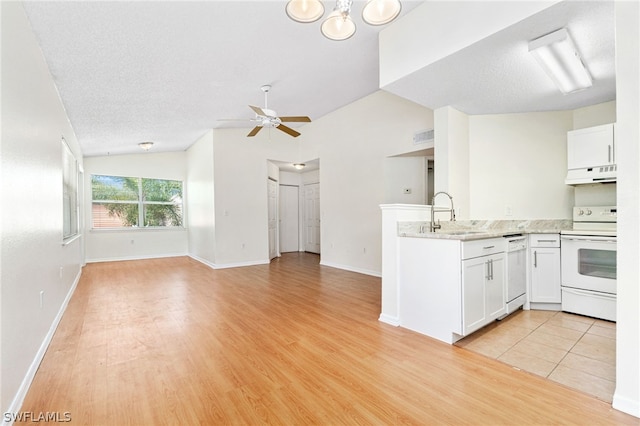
column 476, row 248
column 544, row 240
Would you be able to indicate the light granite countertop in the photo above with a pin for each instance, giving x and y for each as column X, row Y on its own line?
column 482, row 229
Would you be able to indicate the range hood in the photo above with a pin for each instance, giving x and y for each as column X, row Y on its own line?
column 601, row 174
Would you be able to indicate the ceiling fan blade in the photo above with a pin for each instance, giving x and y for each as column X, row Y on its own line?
column 296, row 119
column 288, row 130
column 254, row 131
column 257, row 110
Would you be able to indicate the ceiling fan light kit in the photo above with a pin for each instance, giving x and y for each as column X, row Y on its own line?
column 339, row 25
column 557, row 55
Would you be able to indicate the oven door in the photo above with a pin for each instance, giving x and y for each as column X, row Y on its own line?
column 589, row 263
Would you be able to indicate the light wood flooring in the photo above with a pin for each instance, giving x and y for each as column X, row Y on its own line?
column 574, row 350
column 171, row 341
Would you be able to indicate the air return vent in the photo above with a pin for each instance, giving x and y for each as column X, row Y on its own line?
column 423, row 137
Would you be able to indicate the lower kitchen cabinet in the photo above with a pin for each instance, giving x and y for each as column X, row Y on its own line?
column 450, row 288
column 544, row 267
column 483, row 291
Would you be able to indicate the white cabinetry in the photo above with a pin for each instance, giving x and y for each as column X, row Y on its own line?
column 591, row 147
column 450, row 288
column 483, row 283
column 545, row 272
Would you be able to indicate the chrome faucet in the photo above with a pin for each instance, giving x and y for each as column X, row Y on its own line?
column 433, row 226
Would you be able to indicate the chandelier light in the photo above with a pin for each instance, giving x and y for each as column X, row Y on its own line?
column 339, row 25
column 305, row 10
column 557, row 55
column 299, row 166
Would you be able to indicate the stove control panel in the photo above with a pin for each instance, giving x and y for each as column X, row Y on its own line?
column 595, row 214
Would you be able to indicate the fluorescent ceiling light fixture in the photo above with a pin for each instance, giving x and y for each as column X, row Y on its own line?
column 299, row 166
column 557, row 55
column 305, row 10
column 145, row 145
column 339, row 24
column 380, row 12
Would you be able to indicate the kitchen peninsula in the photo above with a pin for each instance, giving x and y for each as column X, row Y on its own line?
column 449, row 283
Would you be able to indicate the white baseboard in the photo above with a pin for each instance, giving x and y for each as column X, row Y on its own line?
column 388, row 319
column 151, row 256
column 228, row 265
column 626, row 405
column 352, row 269
column 16, row 404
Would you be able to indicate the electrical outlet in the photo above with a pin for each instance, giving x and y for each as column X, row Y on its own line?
column 508, row 211
column 61, row 271
column 41, row 298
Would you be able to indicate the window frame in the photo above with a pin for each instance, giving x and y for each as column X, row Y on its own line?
column 70, row 196
column 140, row 203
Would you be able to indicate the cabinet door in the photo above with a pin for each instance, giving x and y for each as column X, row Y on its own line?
column 496, row 304
column 545, row 275
column 474, row 274
column 590, row 147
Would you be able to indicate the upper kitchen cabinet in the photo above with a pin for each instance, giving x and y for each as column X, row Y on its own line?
column 591, row 155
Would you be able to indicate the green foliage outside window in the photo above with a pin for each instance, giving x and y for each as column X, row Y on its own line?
column 129, row 201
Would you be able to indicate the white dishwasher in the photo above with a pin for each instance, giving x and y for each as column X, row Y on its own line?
column 516, row 271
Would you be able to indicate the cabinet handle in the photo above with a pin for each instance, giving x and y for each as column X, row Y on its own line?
column 535, row 259
column 487, row 248
column 546, row 241
column 488, row 276
column 609, row 152
column 491, row 268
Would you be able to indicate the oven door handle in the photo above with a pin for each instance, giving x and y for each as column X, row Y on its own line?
column 588, row 238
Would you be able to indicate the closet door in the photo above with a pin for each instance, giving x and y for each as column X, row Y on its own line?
column 289, row 218
column 312, row 218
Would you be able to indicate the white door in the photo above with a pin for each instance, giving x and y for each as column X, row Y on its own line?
column 288, row 218
column 272, row 187
column 312, row 218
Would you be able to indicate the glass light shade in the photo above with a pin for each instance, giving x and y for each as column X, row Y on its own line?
column 299, row 166
column 380, row 12
column 145, row 145
column 305, row 10
column 338, row 26
column 559, row 58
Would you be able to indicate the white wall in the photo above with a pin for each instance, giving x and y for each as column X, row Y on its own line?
column 240, row 186
column 519, row 162
column 401, row 173
column 200, row 200
column 107, row 245
column 33, row 260
column 627, row 393
column 352, row 144
column 452, row 160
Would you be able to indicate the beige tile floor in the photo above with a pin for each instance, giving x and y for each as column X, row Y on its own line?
column 577, row 351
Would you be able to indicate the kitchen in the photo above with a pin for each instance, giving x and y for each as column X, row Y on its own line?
column 429, row 264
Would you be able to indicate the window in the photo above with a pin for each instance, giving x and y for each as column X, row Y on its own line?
column 132, row 202
column 69, row 194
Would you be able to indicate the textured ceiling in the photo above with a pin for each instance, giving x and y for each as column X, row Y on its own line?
column 498, row 75
column 131, row 71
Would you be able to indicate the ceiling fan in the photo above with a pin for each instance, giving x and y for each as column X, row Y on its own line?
column 269, row 118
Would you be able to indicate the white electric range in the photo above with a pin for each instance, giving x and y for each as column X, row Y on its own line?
column 588, row 257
